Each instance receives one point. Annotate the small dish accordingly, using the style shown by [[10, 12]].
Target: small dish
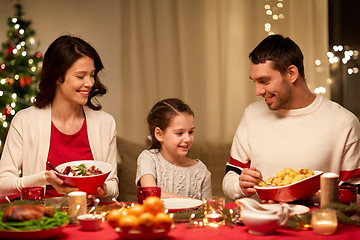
[[90, 222]]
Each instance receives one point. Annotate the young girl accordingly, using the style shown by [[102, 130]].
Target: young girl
[[171, 125]]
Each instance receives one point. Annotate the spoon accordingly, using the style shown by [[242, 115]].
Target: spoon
[[53, 168], [96, 203], [267, 184]]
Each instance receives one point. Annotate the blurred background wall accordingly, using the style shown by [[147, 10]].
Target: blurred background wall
[[196, 50]]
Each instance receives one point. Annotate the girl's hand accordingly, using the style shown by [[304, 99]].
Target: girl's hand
[[57, 183], [248, 179]]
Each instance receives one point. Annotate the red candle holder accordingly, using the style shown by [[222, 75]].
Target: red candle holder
[[347, 194], [32, 193], [144, 192]]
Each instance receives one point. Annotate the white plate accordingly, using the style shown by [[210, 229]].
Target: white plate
[[294, 208], [179, 204]]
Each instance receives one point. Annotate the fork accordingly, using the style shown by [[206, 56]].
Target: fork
[[267, 184]]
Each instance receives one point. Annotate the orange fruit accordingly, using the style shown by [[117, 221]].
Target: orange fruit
[[163, 221], [128, 222], [146, 222], [153, 205], [113, 217], [136, 210]]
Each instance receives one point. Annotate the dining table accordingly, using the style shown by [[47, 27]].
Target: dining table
[[185, 231], [182, 232]]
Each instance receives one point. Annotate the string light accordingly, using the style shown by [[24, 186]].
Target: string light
[[273, 10], [320, 90], [346, 57]]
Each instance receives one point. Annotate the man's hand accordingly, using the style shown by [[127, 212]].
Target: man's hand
[[58, 183], [248, 179]]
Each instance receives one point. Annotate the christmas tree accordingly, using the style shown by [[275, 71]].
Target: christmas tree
[[20, 66]]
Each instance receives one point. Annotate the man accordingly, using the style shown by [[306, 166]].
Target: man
[[292, 128]]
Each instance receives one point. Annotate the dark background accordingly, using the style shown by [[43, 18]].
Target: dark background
[[344, 29]]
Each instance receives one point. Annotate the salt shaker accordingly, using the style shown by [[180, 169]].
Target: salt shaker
[[329, 186]]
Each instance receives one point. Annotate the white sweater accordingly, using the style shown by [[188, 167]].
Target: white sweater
[[27, 148], [322, 136]]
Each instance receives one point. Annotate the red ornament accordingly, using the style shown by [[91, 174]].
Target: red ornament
[[7, 111], [9, 50], [23, 81], [28, 80]]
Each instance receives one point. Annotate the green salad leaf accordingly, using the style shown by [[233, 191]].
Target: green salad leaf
[[59, 219]]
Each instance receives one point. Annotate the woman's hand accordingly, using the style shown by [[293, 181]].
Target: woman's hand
[[58, 183], [248, 179], [100, 191]]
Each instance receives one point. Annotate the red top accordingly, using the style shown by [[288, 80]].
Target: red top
[[66, 148]]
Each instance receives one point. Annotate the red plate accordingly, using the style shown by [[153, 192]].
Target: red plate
[[34, 234]]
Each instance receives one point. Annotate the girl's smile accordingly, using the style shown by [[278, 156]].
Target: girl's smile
[[177, 138]]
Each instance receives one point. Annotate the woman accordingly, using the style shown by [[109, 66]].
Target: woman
[[64, 124]]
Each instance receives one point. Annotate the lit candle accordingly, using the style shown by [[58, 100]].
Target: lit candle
[[214, 219], [213, 214], [325, 227], [324, 221], [77, 204]]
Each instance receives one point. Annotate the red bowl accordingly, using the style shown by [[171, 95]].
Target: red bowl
[[298, 191], [86, 184]]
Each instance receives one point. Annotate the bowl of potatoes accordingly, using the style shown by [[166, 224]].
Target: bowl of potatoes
[[290, 185]]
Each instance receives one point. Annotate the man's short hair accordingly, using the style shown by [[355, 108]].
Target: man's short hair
[[282, 51]]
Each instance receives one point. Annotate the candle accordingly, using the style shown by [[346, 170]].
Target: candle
[[77, 205], [213, 214], [325, 227], [214, 217], [329, 186], [324, 221]]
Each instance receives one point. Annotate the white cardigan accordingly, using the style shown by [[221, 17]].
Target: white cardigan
[[27, 148]]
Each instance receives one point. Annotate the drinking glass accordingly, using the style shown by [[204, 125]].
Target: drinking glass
[[347, 194], [32, 193], [144, 192]]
